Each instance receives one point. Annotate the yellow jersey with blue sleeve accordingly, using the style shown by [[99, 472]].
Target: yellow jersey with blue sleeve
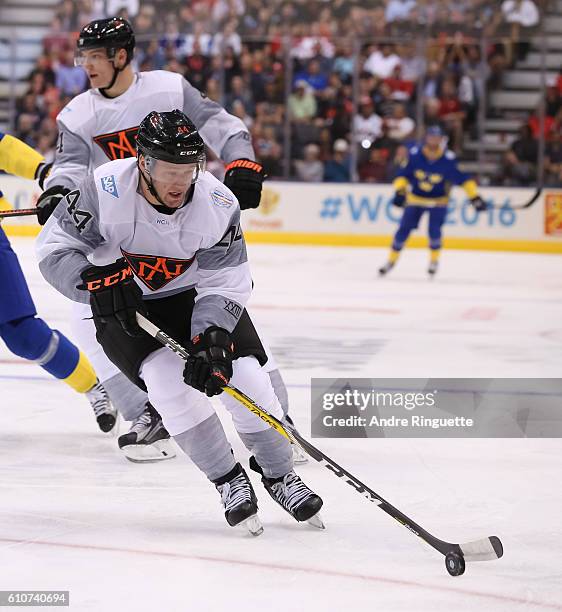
[[428, 179]]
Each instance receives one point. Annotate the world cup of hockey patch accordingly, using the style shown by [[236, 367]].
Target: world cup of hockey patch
[[222, 199], [156, 271], [109, 185], [120, 144]]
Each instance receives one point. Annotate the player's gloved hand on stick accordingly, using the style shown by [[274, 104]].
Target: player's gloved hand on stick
[[244, 178], [209, 369], [399, 199], [48, 201], [114, 295], [479, 204]]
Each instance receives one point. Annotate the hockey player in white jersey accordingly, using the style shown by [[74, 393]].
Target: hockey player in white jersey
[[101, 125], [161, 236]]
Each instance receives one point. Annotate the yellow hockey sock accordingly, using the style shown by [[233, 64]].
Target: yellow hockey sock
[[434, 255], [393, 256], [83, 378]]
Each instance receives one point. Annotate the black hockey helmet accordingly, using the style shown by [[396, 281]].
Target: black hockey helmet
[[170, 136], [111, 34]]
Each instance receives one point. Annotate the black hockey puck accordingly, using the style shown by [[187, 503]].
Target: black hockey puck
[[455, 564]]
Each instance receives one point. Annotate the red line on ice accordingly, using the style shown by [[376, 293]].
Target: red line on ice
[[291, 568], [480, 314]]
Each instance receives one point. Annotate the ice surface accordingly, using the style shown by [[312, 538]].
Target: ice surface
[[75, 515]]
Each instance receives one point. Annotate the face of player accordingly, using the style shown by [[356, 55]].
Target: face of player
[[433, 142], [171, 181], [97, 65]]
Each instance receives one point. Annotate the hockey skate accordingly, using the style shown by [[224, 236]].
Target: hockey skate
[[105, 413], [299, 456], [386, 268], [432, 269], [148, 439], [239, 500], [293, 496]]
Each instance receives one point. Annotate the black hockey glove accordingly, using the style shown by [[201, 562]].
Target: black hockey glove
[[479, 204], [114, 295], [48, 201], [210, 368], [42, 172], [399, 199], [244, 178]]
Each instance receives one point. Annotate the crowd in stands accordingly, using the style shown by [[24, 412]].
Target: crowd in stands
[[307, 81]]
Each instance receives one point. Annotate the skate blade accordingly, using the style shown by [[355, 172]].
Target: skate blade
[[299, 456], [253, 525], [161, 450], [316, 521]]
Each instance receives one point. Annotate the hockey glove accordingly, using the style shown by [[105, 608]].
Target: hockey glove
[[209, 369], [399, 199], [42, 172], [479, 204], [244, 178], [48, 201], [114, 295]]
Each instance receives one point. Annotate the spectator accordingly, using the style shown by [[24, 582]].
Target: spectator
[[553, 161], [70, 79], [367, 124], [313, 76], [302, 103], [399, 10], [400, 126], [344, 62], [338, 169], [375, 168], [451, 113], [520, 14], [520, 162], [268, 150], [381, 63], [400, 89], [310, 169], [432, 81], [239, 91]]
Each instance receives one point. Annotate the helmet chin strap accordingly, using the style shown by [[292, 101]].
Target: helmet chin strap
[[164, 209], [116, 71]]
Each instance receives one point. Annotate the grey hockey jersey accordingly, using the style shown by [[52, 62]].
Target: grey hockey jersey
[[200, 245], [94, 129]]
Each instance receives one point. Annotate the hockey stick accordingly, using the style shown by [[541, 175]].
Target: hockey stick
[[455, 554], [21, 212], [528, 204]]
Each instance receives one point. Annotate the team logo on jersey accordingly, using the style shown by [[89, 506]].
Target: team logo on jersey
[[156, 271], [222, 199], [120, 144], [109, 185]]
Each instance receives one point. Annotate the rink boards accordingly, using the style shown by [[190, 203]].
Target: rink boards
[[362, 215]]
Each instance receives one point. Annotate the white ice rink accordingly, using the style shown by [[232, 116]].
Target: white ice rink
[[75, 515]]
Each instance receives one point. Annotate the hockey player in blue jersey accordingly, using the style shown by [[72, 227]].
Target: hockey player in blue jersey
[[24, 333], [423, 185]]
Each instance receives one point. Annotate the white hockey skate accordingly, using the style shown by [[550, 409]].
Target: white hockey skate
[[105, 413], [148, 440], [432, 269]]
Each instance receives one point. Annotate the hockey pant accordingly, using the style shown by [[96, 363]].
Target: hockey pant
[[127, 398], [410, 221]]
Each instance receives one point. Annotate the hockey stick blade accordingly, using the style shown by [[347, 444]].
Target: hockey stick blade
[[479, 550], [21, 212]]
